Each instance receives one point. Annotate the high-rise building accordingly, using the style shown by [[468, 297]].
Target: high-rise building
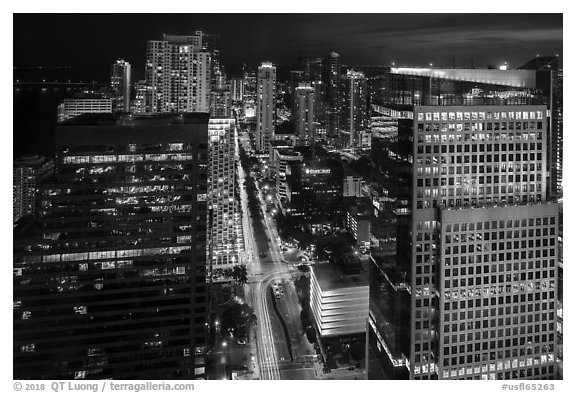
[[225, 235], [471, 292], [178, 74], [331, 77], [265, 106], [220, 103], [354, 111], [237, 87], [549, 78], [72, 107], [142, 92], [120, 85], [26, 171], [296, 77], [304, 113], [250, 93], [314, 188], [111, 280]]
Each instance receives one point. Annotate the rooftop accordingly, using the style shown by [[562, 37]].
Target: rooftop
[[119, 119], [525, 78], [541, 63], [337, 276]]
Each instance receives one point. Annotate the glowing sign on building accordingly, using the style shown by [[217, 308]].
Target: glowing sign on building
[[317, 171]]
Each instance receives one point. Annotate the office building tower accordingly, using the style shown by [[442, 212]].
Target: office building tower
[[549, 79], [331, 77], [354, 111], [303, 115], [111, 280], [265, 106], [120, 84], [471, 292], [26, 171], [225, 235], [178, 75], [314, 189], [72, 107]]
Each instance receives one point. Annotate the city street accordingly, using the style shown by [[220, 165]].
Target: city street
[[264, 267]]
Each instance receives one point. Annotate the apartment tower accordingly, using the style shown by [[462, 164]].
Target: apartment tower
[[265, 106], [178, 74]]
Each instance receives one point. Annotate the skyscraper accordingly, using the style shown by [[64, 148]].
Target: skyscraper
[[178, 75], [237, 89], [265, 106], [142, 93], [471, 292], [296, 77], [354, 111], [332, 73], [120, 85], [249, 92], [225, 236], [304, 113], [549, 78], [111, 281]]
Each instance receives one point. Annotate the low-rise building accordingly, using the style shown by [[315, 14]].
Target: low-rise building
[[339, 298]]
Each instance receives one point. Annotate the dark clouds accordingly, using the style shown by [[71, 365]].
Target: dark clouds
[[95, 40]]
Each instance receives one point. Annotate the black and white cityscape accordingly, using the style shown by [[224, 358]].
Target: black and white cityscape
[[287, 197]]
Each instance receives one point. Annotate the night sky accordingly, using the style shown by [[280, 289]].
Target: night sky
[[93, 41]]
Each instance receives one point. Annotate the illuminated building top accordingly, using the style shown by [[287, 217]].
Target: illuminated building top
[[514, 78]]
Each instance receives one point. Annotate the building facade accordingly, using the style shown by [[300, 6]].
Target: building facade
[[338, 299], [26, 171], [72, 107], [314, 190], [178, 74], [112, 283], [120, 85], [354, 111], [265, 106], [220, 103], [352, 186], [281, 157], [332, 79], [225, 234], [250, 82], [472, 290], [237, 89], [304, 106], [358, 223]]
